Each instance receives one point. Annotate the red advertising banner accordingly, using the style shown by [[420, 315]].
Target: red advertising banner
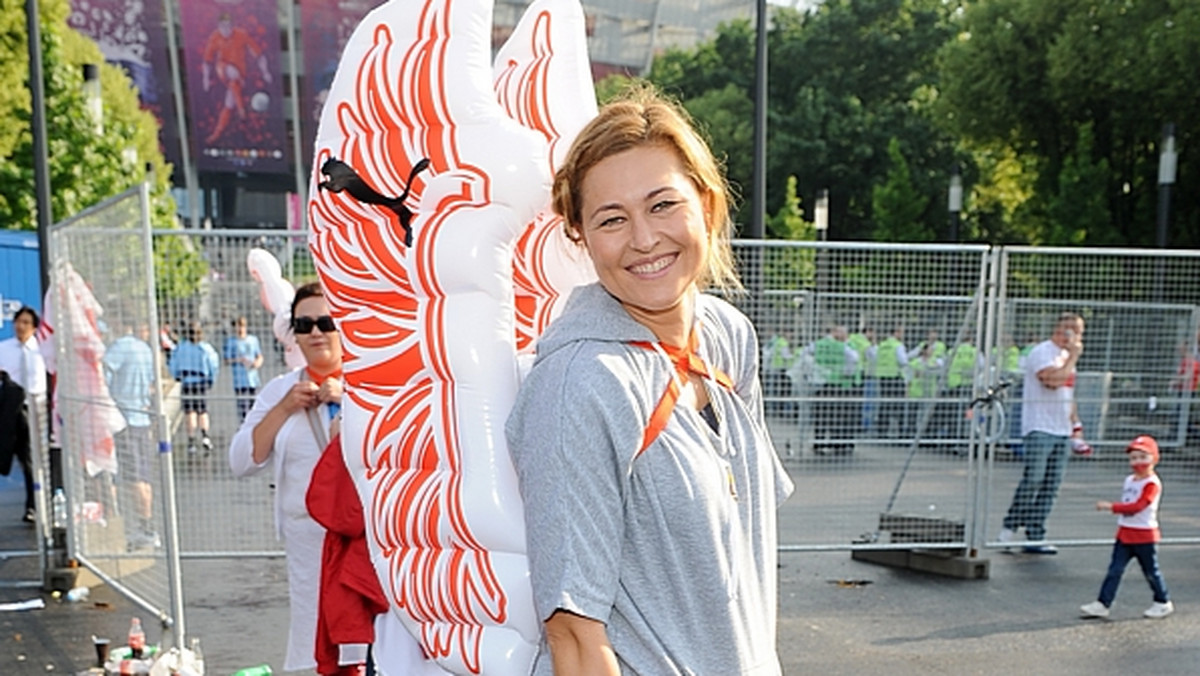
[[234, 85], [133, 35], [327, 25]]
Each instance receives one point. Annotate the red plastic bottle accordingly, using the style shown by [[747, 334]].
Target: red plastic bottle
[[137, 638]]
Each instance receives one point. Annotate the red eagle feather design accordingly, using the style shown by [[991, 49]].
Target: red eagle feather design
[[431, 332]]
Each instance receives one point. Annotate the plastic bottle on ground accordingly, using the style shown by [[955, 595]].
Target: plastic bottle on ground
[[137, 638]]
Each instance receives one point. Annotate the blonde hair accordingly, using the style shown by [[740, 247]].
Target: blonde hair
[[643, 117]]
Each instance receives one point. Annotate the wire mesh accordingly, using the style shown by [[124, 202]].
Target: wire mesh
[[871, 357], [222, 515], [858, 341], [106, 419], [1137, 375]]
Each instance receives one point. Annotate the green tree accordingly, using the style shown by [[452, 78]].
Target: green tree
[[726, 117], [1080, 205], [898, 205], [844, 78], [608, 88], [790, 268], [85, 167], [1028, 74]]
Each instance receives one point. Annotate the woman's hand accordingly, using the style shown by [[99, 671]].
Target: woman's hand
[[303, 395], [1104, 506], [330, 392]]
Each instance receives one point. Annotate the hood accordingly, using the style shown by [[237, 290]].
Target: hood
[[591, 313]]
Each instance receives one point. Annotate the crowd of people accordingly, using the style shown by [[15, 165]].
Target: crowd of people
[[862, 386]]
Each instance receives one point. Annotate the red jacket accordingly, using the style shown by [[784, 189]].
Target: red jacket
[[350, 596]]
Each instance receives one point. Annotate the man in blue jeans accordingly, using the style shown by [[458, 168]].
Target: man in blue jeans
[[1048, 417]]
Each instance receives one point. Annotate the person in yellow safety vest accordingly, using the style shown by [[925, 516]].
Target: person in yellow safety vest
[[922, 388], [931, 338], [963, 364], [1010, 357], [834, 366], [891, 368], [777, 358], [965, 361], [925, 369], [865, 388]]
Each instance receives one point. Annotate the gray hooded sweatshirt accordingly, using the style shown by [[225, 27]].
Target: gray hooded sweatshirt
[[673, 549]]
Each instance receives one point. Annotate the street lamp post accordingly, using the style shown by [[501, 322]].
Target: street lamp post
[[91, 96], [757, 229], [955, 200], [1166, 178], [41, 170], [821, 214]]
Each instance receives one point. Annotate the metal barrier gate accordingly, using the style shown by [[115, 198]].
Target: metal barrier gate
[[1137, 375], [888, 458], [109, 414], [882, 458]]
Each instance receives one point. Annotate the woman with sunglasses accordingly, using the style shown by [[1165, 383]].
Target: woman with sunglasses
[[649, 480], [290, 424]]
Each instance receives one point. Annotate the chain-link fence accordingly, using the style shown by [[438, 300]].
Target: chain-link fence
[[108, 405], [871, 357]]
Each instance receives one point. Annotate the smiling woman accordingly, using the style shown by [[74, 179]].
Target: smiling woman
[[650, 483]]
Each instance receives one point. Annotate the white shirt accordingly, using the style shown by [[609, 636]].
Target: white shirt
[[1046, 409], [294, 454], [24, 364]]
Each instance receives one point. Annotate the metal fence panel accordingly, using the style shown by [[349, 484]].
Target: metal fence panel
[[858, 342], [108, 415], [1135, 376], [221, 515], [879, 461]]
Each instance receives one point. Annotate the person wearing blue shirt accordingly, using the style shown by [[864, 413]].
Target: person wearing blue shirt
[[195, 365], [129, 370], [244, 354]]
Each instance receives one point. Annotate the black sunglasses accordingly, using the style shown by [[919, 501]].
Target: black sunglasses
[[304, 325]]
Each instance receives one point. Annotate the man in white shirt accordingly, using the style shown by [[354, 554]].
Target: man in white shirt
[[1048, 416], [21, 359]]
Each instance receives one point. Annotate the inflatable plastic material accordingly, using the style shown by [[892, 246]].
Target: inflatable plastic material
[[94, 416], [439, 276], [276, 294]]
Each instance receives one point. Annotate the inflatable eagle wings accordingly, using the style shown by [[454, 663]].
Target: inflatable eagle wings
[[441, 261]]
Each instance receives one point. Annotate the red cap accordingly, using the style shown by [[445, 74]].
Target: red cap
[[1144, 442]]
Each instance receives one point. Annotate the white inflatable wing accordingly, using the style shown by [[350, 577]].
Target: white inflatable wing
[[418, 263], [543, 80], [276, 294]]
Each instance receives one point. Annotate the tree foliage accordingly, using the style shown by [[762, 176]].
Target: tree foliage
[[85, 167], [791, 268], [1031, 75], [1054, 110], [843, 80], [898, 204]]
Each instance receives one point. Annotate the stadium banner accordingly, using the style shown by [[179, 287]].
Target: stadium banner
[[133, 35], [327, 24], [234, 85]]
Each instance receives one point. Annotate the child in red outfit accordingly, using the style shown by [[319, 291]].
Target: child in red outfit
[[1137, 532]]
